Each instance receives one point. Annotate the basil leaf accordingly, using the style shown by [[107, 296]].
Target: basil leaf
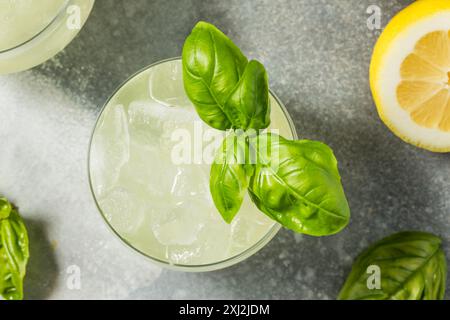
[[226, 90], [5, 208], [412, 267], [251, 98], [228, 180], [297, 183], [14, 256]]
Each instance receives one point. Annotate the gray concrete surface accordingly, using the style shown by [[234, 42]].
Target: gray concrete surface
[[317, 53]]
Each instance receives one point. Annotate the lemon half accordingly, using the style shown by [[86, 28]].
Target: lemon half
[[410, 75]]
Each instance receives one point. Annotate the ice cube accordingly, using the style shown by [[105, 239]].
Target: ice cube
[[122, 209], [181, 224], [152, 124], [110, 148], [166, 85], [212, 241], [215, 238], [149, 173], [248, 227], [212, 244], [190, 181], [145, 125]]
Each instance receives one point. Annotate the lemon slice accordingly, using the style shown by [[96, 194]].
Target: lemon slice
[[410, 75]]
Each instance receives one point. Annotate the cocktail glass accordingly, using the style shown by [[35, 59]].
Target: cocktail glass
[[155, 204], [33, 31]]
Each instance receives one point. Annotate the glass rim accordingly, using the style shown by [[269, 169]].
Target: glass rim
[[222, 264], [56, 19]]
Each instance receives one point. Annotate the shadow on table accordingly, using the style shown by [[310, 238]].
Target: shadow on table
[[42, 269]]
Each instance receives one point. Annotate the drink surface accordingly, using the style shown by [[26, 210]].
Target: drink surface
[[156, 201], [21, 20]]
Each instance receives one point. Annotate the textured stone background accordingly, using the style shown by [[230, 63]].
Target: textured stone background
[[317, 53]]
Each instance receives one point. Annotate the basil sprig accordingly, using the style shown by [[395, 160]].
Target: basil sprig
[[14, 252], [297, 183], [411, 266]]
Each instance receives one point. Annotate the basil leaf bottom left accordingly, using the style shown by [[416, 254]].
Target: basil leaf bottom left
[[14, 252]]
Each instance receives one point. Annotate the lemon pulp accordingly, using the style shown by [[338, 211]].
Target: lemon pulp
[[424, 90]]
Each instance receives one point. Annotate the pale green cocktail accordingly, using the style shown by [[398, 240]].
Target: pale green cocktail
[[156, 201], [32, 31]]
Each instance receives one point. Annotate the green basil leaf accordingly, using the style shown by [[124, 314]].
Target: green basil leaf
[[227, 91], [228, 180], [297, 183], [251, 98], [412, 266], [5, 208], [14, 256]]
